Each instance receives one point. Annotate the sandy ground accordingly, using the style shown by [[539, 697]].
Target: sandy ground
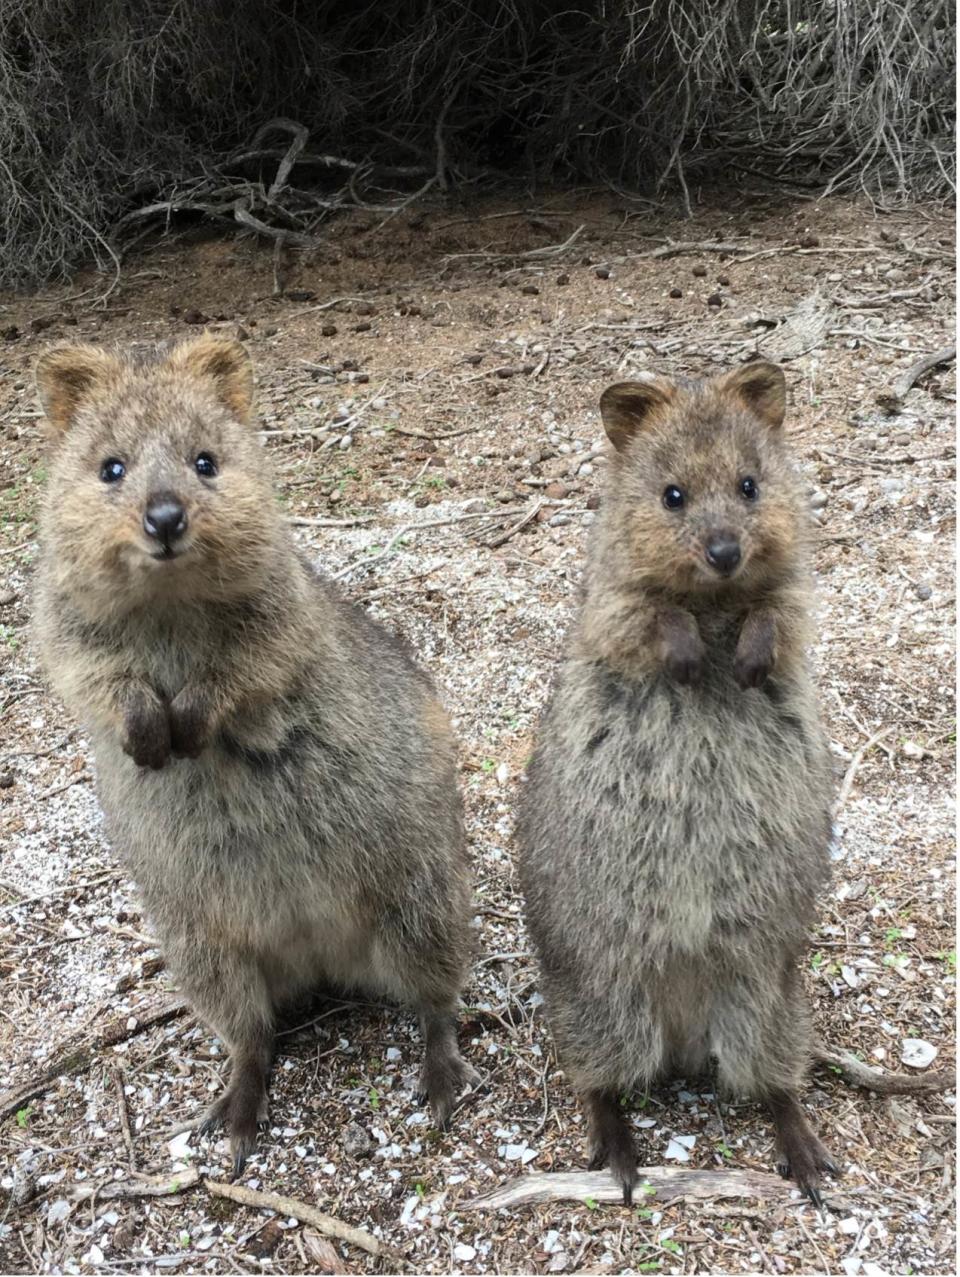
[[460, 377]]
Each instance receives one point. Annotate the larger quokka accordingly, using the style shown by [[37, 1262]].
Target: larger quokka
[[675, 826], [275, 771]]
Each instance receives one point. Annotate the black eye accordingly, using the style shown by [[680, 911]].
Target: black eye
[[749, 489], [112, 470], [205, 466], [673, 497]]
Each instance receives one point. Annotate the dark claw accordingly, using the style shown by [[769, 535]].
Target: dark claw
[[815, 1197], [831, 1169], [628, 1194], [239, 1162], [783, 1169]]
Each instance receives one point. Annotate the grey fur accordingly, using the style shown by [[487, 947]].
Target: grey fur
[[316, 838], [674, 838]]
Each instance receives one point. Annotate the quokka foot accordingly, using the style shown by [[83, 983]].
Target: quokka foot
[[611, 1143], [445, 1072], [241, 1110], [800, 1154]]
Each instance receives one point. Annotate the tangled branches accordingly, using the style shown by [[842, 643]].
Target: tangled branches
[[116, 112]]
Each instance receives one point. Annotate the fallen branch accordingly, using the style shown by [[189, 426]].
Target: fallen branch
[[139, 1186], [913, 374], [854, 766], [661, 1183], [857, 1073], [503, 537], [326, 1224], [78, 1056]]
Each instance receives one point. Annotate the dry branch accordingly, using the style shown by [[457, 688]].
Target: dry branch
[[326, 1224], [857, 1073], [79, 1053], [668, 1184]]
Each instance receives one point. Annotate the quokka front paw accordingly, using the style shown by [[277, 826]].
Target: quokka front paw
[[190, 726], [146, 731], [755, 656], [684, 663]]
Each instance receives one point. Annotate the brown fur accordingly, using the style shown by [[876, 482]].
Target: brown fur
[[274, 769], [675, 823]]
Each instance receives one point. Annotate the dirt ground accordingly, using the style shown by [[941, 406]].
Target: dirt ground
[[428, 393]]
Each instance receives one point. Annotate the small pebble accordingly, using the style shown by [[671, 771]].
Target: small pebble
[[699, 271], [923, 591], [345, 443], [676, 292], [563, 279], [602, 272], [714, 300]]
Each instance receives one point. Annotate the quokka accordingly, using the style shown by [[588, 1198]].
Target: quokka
[[275, 771], [675, 824]]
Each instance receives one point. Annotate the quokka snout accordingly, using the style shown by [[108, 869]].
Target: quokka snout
[[675, 821], [274, 769]]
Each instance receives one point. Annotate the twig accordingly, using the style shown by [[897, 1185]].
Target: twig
[[854, 766], [77, 1057], [857, 1073], [512, 531], [82, 779], [124, 1118], [408, 528], [139, 1186], [326, 1224], [60, 891], [669, 1184], [299, 522], [905, 383]]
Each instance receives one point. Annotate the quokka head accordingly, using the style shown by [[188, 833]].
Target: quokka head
[[703, 497], [157, 483]]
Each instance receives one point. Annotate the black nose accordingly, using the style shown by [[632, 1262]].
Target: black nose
[[165, 519], [723, 553]]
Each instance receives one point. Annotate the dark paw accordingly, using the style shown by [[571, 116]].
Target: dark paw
[[621, 1159], [241, 1111], [752, 670], [189, 725], [685, 664], [441, 1081], [805, 1162], [147, 732]]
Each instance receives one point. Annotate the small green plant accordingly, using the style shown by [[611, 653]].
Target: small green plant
[[949, 958], [419, 1189], [891, 934], [816, 962], [591, 1203], [649, 1266], [724, 1149], [23, 1116], [644, 1212], [673, 1247], [184, 1239], [374, 1097], [488, 765]]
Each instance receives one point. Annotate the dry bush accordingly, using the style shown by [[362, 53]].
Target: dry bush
[[112, 107]]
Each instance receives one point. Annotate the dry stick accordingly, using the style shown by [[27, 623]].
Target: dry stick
[[124, 1118], [857, 1073], [669, 1184], [913, 374], [512, 531], [140, 1186], [422, 434], [325, 1224], [851, 772], [60, 891], [77, 1057], [398, 536], [299, 522]]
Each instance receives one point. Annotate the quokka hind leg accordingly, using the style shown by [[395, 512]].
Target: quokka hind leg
[[760, 1033], [611, 1143], [229, 992], [445, 1072], [800, 1155]]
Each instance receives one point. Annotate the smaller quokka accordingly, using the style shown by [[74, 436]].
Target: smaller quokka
[[275, 771], [675, 822]]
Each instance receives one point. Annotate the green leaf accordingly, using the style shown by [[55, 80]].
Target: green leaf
[[590, 1202], [23, 1116]]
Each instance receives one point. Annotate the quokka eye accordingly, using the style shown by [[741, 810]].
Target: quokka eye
[[112, 470], [673, 497], [749, 489], [205, 466]]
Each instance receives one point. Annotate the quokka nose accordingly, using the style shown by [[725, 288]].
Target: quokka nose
[[164, 519], [723, 553]]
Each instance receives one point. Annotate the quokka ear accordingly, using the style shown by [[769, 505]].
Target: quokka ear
[[630, 406], [222, 362], [760, 386], [68, 375]]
